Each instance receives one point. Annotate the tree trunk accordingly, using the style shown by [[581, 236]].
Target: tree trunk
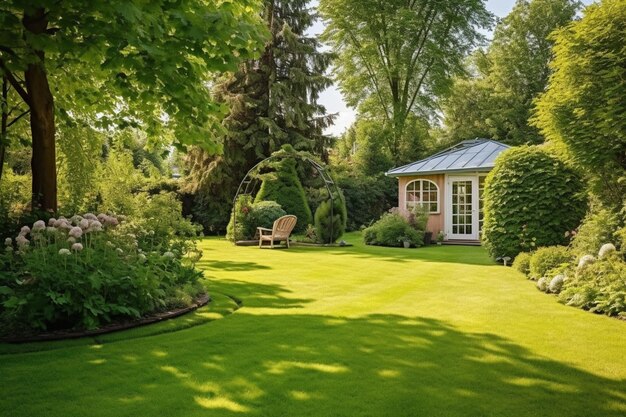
[[5, 119], [43, 162]]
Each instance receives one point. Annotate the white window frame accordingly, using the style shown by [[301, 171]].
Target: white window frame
[[421, 195]]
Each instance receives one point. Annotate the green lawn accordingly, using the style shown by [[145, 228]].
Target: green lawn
[[356, 331]]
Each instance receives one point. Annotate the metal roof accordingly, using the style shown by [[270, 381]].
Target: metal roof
[[469, 155]]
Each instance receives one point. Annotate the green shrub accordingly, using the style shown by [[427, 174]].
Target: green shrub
[[599, 287], [531, 199], [597, 228], [324, 223], [88, 271], [391, 230], [284, 187], [522, 262], [264, 214], [547, 259], [367, 198]]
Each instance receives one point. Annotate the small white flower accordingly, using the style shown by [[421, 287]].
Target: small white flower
[[90, 216], [83, 224], [119, 250], [111, 244], [71, 239], [51, 221], [76, 232], [102, 217], [77, 247], [586, 260], [22, 241], [25, 230], [169, 255], [94, 226], [606, 249], [51, 229], [111, 221], [8, 241], [64, 251], [39, 225], [142, 258]]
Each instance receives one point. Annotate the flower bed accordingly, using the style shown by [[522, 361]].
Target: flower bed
[[89, 271]]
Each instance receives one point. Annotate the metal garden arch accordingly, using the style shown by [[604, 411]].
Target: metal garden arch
[[249, 183]]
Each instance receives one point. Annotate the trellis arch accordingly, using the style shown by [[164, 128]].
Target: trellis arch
[[249, 183]]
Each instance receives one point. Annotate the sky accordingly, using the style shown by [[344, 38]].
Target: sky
[[331, 97]]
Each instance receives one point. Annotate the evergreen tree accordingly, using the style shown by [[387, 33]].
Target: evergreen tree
[[273, 101]]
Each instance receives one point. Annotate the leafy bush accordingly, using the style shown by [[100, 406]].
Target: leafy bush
[[556, 284], [264, 214], [597, 228], [531, 199], [324, 223], [367, 198], [599, 287], [87, 271], [284, 187], [392, 230], [252, 215], [548, 259], [522, 262]]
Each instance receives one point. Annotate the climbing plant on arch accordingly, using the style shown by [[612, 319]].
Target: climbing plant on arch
[[271, 179]]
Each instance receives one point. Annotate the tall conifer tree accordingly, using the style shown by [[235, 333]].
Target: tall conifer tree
[[273, 101]]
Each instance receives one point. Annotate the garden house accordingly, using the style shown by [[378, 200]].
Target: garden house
[[450, 184]]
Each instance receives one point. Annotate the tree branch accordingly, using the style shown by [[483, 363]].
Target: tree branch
[[24, 113], [15, 84]]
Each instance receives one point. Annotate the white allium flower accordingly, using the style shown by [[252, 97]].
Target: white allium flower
[[51, 221], [119, 250], [169, 255], [39, 225], [142, 258], [21, 240], [586, 260], [9, 249], [77, 247], [75, 219], [94, 226], [111, 221], [64, 252], [556, 284], [25, 230], [8, 241], [83, 224], [111, 244], [90, 216], [51, 229], [62, 224], [76, 232], [102, 217], [71, 239], [606, 250]]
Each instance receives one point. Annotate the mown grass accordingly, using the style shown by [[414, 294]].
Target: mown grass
[[358, 331]]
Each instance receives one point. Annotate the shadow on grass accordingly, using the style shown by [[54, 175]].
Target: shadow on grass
[[256, 295], [311, 365], [211, 264]]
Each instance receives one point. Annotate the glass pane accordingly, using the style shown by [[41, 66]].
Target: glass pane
[[468, 229], [433, 208], [455, 229]]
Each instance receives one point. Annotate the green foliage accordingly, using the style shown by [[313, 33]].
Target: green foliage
[[531, 199], [284, 187], [367, 198], [545, 260], [522, 262], [599, 287], [86, 271], [584, 109], [273, 100], [252, 215], [496, 102], [392, 230], [394, 56], [324, 222], [597, 228], [14, 202]]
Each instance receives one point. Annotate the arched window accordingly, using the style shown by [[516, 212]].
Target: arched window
[[423, 192]]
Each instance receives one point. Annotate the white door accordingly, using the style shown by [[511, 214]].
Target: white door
[[462, 208]]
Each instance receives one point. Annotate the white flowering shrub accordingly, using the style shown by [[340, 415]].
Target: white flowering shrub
[[88, 270], [606, 250], [556, 284], [542, 284]]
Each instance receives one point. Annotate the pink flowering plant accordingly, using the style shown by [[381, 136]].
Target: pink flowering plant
[[89, 270]]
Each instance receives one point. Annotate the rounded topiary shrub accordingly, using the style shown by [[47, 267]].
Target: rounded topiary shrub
[[250, 216], [522, 262], [531, 199], [547, 259], [283, 186], [264, 214], [329, 229]]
